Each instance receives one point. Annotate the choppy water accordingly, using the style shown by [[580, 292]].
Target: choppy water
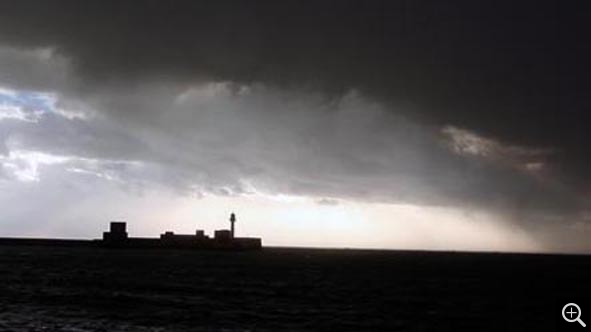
[[84, 289]]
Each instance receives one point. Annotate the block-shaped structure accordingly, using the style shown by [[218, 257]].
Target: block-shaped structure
[[223, 235], [117, 232]]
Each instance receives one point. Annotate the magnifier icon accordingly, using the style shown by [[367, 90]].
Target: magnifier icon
[[573, 314]]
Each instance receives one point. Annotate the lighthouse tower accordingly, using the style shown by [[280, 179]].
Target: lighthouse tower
[[232, 221]]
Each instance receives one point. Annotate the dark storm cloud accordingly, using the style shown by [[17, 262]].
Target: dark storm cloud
[[511, 71]]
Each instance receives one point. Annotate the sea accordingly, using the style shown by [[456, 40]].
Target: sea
[[285, 289]]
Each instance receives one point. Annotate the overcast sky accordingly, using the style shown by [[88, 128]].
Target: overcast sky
[[383, 124]]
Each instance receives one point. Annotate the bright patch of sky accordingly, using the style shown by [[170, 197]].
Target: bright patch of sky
[[25, 105]]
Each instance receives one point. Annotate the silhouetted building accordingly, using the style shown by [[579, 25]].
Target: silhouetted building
[[117, 232], [179, 240], [223, 235], [223, 239]]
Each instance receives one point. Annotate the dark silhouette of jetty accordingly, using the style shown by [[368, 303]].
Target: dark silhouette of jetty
[[117, 237]]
